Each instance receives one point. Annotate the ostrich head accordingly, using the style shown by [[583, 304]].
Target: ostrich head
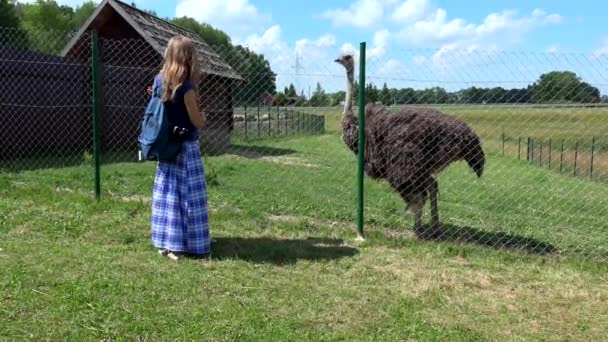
[[348, 62]]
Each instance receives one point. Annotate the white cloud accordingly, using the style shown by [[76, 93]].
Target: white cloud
[[380, 44], [361, 13], [315, 54], [437, 28], [303, 63], [553, 48], [269, 39], [411, 10], [547, 19], [505, 27], [393, 68], [419, 60], [348, 48], [602, 51], [235, 17]]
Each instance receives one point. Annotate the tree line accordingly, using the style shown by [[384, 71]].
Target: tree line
[[46, 26], [38, 25], [556, 87]]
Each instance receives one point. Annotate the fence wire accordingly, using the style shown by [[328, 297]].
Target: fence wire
[[45, 102], [280, 140], [541, 124]]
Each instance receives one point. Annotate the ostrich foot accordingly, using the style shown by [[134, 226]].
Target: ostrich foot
[[419, 229]]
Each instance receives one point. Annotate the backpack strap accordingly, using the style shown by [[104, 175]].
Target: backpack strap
[[157, 86]]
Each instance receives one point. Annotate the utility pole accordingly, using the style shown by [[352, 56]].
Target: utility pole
[[297, 67]]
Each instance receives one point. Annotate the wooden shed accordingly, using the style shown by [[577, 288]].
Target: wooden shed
[[132, 45], [44, 108]]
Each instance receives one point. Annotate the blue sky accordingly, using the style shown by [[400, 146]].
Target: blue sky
[[417, 43]]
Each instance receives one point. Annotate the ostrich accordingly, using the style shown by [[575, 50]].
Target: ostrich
[[408, 148]]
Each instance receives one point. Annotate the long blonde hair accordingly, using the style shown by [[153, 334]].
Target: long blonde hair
[[181, 64]]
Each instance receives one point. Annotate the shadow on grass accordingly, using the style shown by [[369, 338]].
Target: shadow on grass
[[497, 240], [115, 157], [46, 162], [280, 251], [253, 152]]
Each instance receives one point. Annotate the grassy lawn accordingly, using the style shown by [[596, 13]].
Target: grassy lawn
[[285, 265]]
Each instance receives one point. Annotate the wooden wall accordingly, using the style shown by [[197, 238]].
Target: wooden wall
[[46, 101], [45, 105]]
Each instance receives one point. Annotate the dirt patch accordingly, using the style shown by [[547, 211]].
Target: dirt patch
[[404, 232], [282, 160], [62, 189], [295, 161], [133, 198], [224, 207]]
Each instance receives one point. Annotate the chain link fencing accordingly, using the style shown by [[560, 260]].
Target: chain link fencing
[[276, 144], [45, 102], [541, 122]]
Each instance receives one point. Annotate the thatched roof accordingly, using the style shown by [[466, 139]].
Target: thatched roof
[[155, 32]]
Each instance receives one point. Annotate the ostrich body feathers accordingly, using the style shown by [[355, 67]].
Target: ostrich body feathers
[[409, 146]]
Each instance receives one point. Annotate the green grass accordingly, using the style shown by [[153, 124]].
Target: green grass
[[286, 267]]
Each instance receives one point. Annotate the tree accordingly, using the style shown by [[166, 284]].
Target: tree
[[47, 25], [563, 86], [82, 13], [8, 15], [319, 98], [372, 95], [214, 37], [260, 80], [385, 95], [336, 98], [11, 35], [254, 68], [279, 99]]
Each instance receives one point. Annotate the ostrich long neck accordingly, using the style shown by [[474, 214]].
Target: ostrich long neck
[[349, 120], [348, 102]]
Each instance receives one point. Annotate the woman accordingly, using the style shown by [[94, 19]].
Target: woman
[[180, 221]]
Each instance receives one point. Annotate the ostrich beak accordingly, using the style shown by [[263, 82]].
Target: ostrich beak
[[337, 60]]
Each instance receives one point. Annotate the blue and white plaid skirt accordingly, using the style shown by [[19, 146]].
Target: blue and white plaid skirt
[[180, 220]]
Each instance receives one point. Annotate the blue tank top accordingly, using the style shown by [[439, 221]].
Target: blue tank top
[[178, 111]]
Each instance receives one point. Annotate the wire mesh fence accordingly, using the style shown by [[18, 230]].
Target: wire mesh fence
[[540, 119], [45, 102], [281, 144]]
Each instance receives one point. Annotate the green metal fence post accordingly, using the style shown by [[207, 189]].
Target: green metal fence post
[[592, 159], [246, 122], [550, 152], [519, 148], [96, 94], [561, 158], [575, 156], [361, 142], [258, 122]]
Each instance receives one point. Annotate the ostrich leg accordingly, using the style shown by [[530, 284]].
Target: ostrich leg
[[434, 192], [417, 206]]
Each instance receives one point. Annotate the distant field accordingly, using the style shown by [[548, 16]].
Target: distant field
[[554, 126], [491, 121]]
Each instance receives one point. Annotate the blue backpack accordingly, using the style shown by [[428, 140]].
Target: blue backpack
[[156, 141]]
